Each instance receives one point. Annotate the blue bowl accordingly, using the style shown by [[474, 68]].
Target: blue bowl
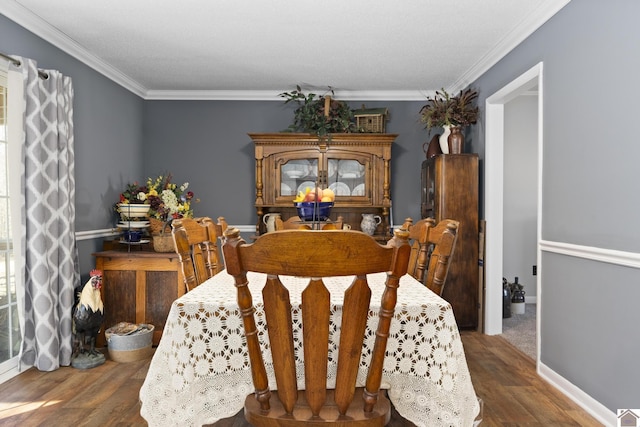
[[132, 236], [311, 211]]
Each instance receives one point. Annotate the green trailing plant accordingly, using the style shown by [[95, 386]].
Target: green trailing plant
[[310, 115], [445, 110]]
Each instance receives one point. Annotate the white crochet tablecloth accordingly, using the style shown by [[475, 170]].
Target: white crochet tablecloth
[[200, 373]]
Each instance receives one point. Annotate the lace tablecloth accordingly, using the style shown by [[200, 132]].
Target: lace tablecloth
[[200, 373]]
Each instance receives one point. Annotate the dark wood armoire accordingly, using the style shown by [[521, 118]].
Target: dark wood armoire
[[450, 190]]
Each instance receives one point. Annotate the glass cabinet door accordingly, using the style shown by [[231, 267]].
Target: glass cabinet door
[[349, 177], [428, 189], [294, 175]]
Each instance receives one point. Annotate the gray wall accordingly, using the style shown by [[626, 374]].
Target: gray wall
[[589, 327], [206, 144], [589, 332]]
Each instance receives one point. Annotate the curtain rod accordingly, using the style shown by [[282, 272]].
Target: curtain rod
[[17, 63]]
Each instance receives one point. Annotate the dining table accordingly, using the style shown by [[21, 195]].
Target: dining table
[[200, 369]]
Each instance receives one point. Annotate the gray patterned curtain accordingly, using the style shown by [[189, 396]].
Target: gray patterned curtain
[[49, 246]]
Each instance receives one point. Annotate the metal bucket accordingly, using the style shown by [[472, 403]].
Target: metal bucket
[[129, 342]]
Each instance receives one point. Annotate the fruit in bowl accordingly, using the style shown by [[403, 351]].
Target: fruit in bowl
[[314, 211], [315, 195], [314, 204]]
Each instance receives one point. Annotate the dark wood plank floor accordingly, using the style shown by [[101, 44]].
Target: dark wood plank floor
[[503, 376]]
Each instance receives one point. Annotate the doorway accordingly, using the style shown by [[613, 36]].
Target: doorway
[[520, 210], [494, 193]]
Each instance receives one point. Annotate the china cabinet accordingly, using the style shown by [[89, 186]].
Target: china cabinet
[[450, 190], [356, 166]]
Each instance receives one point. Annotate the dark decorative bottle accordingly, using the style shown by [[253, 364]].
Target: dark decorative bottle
[[506, 299], [518, 293]]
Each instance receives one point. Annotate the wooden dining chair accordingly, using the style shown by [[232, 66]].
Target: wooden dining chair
[[317, 255], [432, 246], [295, 223], [196, 243]]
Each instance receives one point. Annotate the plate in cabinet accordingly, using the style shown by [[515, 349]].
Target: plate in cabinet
[[285, 190], [303, 187], [358, 191], [350, 169], [296, 168], [340, 189]]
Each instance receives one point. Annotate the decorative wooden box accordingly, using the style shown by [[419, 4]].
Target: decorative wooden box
[[371, 120]]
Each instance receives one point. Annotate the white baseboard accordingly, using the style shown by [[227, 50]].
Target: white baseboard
[[588, 403]]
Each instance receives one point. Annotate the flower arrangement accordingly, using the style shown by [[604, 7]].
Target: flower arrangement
[[445, 110], [134, 193], [166, 200], [169, 200]]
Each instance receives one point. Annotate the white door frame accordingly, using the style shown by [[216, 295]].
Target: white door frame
[[494, 193]]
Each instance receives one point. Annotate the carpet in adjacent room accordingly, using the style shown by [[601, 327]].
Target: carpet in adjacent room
[[520, 330]]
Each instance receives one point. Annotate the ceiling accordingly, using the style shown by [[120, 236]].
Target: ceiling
[[251, 49]]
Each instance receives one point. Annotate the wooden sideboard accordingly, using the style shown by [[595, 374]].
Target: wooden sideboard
[[138, 287]]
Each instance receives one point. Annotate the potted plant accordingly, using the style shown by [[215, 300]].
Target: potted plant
[[319, 114], [450, 113]]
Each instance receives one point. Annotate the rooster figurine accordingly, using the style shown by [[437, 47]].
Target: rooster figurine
[[88, 315]]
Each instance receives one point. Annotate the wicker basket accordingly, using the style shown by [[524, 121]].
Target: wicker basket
[[161, 235], [156, 226], [163, 242]]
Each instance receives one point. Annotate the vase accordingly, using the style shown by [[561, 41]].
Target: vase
[[456, 140], [270, 220], [370, 223], [444, 139], [433, 147]]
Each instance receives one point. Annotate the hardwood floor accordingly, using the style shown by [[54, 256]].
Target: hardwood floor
[[502, 375]]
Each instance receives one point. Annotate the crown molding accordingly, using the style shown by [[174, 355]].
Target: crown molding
[[273, 95], [44, 30], [524, 29]]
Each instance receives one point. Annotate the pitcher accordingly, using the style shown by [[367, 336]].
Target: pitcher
[[270, 221], [369, 223]]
